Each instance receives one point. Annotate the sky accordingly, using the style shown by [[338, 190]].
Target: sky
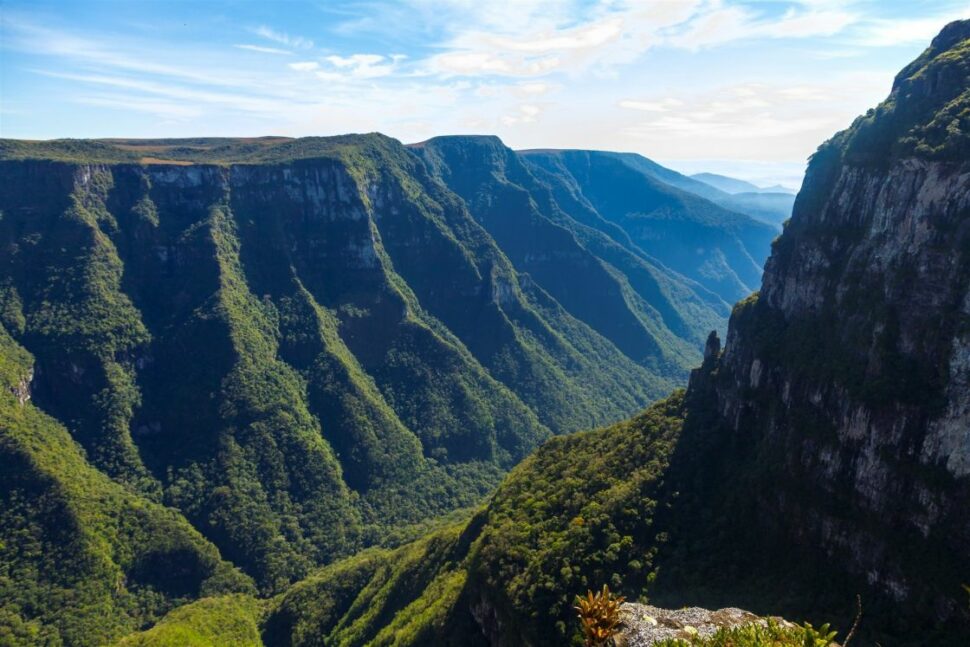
[[746, 88]]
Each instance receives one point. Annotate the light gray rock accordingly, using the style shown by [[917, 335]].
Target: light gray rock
[[645, 625]]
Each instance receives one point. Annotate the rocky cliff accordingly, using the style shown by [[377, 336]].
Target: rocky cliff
[[822, 454], [306, 346], [842, 391]]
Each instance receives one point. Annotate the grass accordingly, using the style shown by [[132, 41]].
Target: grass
[[229, 621], [768, 634]]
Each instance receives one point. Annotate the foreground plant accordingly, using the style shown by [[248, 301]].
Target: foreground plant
[[599, 616], [769, 634]]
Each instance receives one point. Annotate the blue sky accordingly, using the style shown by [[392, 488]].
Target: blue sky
[[749, 88]]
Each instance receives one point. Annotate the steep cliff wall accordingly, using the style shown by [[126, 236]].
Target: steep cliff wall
[[843, 385], [306, 350], [821, 455]]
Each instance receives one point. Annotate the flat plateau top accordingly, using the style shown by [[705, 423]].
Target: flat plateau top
[[182, 152]]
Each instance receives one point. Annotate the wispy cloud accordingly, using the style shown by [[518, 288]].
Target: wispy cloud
[[520, 40], [664, 105], [747, 116], [889, 32], [721, 23], [360, 66], [526, 114], [528, 42], [236, 101], [264, 50], [111, 54], [160, 108], [296, 42], [649, 75]]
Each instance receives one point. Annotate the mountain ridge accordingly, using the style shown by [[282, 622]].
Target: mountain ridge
[[259, 335], [222, 381], [735, 185], [820, 453]]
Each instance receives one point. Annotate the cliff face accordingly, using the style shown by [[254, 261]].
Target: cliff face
[[582, 260], [82, 558], [847, 377], [309, 346], [820, 455], [312, 344]]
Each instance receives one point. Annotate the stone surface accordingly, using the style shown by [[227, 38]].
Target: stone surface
[[645, 625], [850, 372]]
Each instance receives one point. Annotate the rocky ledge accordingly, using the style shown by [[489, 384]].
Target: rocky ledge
[[644, 625]]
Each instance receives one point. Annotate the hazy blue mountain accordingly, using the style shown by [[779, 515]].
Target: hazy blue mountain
[[734, 185], [722, 250], [772, 208]]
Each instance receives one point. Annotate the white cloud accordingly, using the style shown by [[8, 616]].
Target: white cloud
[[750, 117], [533, 88], [356, 60], [160, 108], [518, 40], [663, 105], [115, 55], [891, 32], [471, 63], [527, 43], [264, 50], [527, 114], [234, 101], [360, 66], [304, 66], [583, 37], [569, 73], [726, 23], [296, 42]]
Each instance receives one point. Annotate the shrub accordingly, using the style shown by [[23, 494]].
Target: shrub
[[599, 616]]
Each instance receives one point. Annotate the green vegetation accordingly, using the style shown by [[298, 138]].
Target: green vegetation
[[315, 351], [928, 113], [771, 440], [769, 634], [377, 597], [577, 514], [229, 621], [580, 513], [292, 371], [275, 500], [80, 321], [83, 559], [572, 257]]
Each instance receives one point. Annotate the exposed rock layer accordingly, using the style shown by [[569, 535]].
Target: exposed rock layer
[[843, 385]]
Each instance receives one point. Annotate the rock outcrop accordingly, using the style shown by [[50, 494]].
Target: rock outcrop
[[645, 625]]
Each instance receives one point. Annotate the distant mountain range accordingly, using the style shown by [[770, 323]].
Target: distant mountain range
[[764, 205], [733, 185], [310, 346]]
